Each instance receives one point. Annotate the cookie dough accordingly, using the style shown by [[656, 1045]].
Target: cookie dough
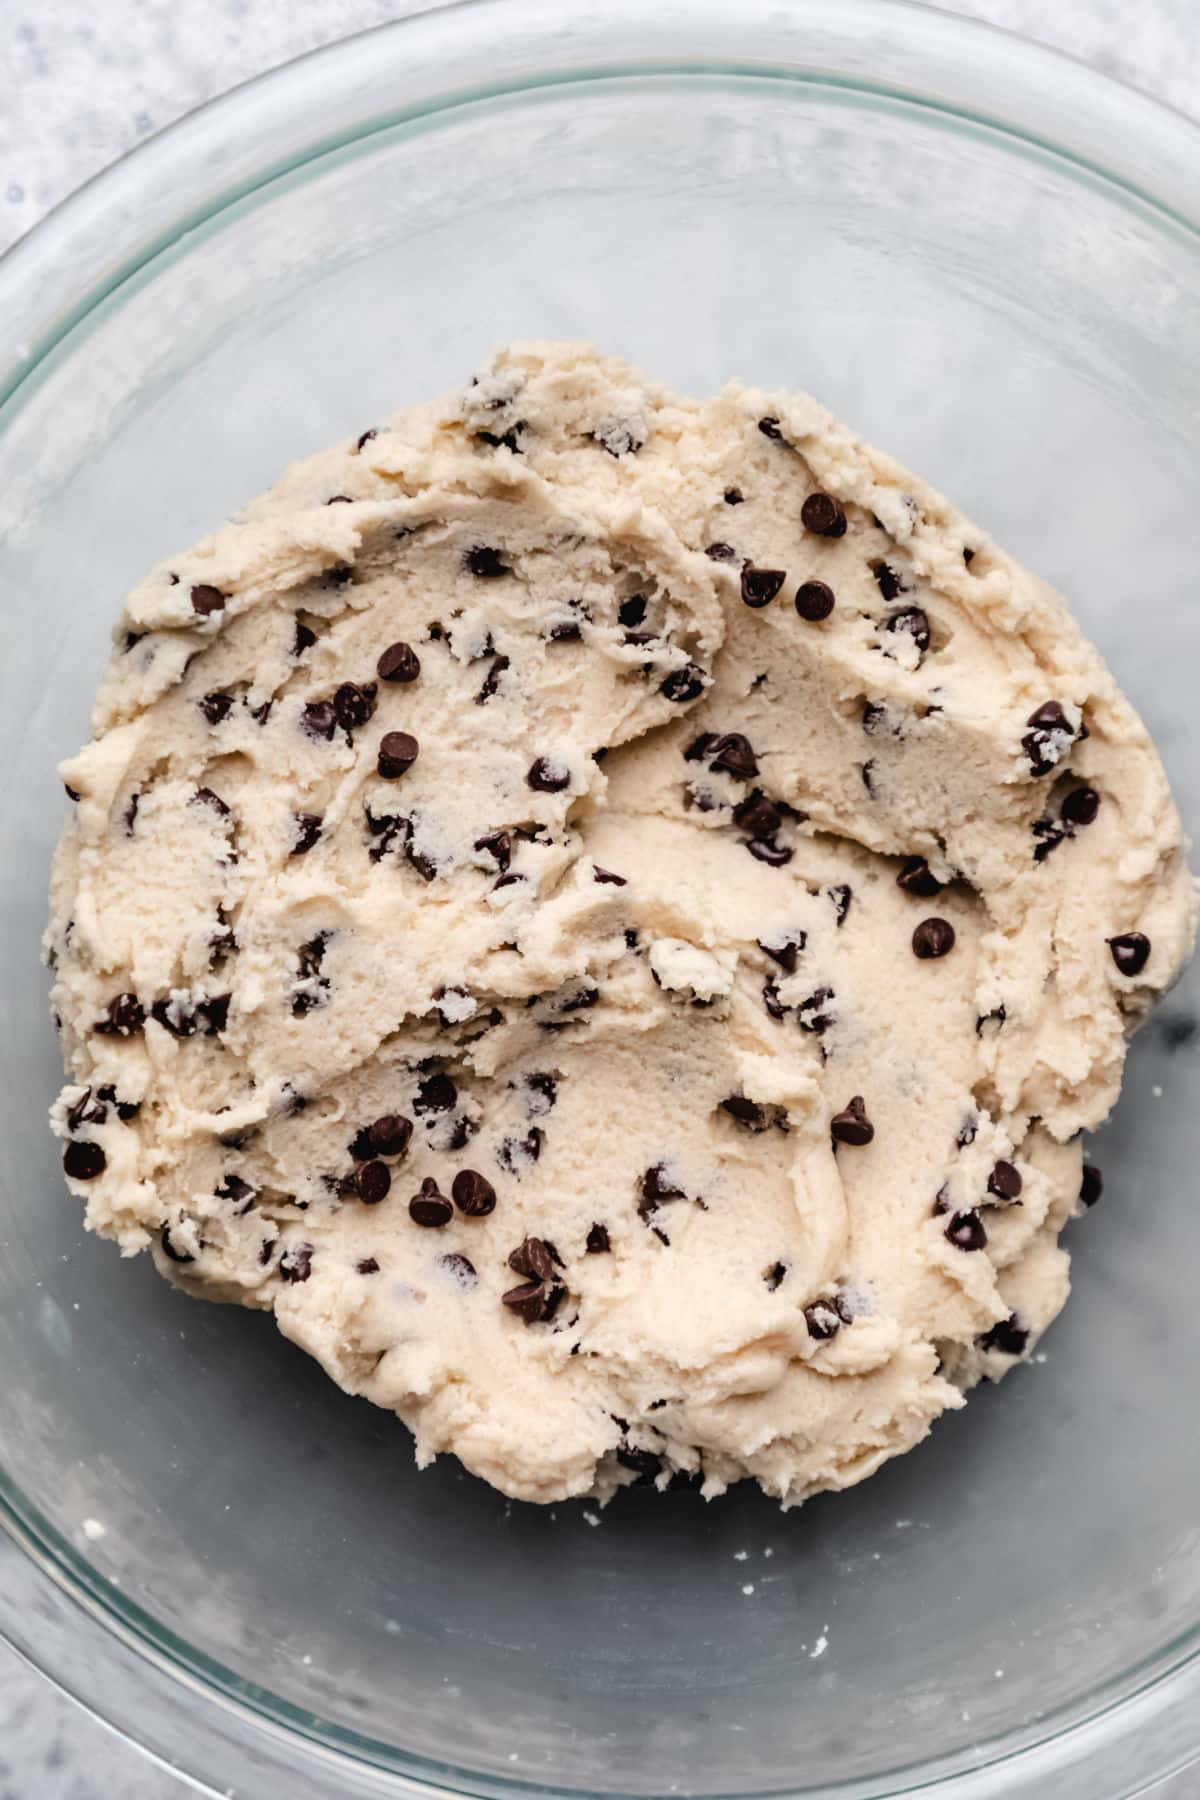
[[608, 914]]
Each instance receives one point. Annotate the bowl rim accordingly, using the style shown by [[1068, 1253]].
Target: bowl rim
[[446, 56]]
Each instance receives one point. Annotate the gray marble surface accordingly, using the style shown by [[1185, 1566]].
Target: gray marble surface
[[79, 85]]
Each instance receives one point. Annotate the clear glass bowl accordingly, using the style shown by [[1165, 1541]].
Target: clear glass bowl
[[985, 257]]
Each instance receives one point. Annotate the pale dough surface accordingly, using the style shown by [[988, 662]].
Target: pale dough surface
[[312, 939]]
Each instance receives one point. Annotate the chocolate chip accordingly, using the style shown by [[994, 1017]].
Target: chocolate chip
[[1130, 951], [491, 680], [304, 639], [528, 1301], [126, 1109], [766, 850], [842, 895], [770, 428], [785, 949], [133, 638], [430, 1208], [1007, 1335], [822, 515], [814, 601], [319, 719], [340, 500], [1005, 1182], [214, 1012], [390, 1134], [638, 639], [874, 717], [485, 562], [548, 776], [567, 631], [399, 662], [71, 792], [578, 1000], [700, 747], [437, 1093], [657, 1186], [745, 1111], [207, 600], [367, 1266], [733, 755], [968, 556], [296, 1263], [775, 1276], [606, 877], [308, 830], [966, 1231], [867, 774], [169, 1250], [734, 496], [262, 713], [1080, 806], [123, 1016], [473, 1193], [216, 707], [460, 1267], [175, 1013], [933, 938], [758, 816], [771, 1000], [204, 796], [1050, 733], [760, 586], [1091, 1185], [83, 1161], [89, 1109], [823, 1319], [535, 1259], [917, 878], [235, 1189], [398, 751], [721, 552], [598, 1240], [683, 684], [852, 1126], [915, 623], [515, 1153], [353, 705], [816, 1013], [995, 1018], [631, 612], [499, 846], [888, 580], [364, 440]]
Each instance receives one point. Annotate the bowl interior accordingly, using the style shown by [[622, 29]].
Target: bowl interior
[[1023, 333]]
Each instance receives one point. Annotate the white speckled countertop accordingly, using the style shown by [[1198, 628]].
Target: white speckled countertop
[[81, 84]]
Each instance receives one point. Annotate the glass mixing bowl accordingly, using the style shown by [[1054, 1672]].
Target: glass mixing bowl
[[987, 259]]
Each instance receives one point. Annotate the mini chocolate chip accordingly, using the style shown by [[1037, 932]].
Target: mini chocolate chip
[[760, 586], [966, 1231], [598, 1240], [461, 1267], [815, 1014], [1091, 1186], [204, 796], [515, 1152], [548, 776], [123, 1016], [578, 1001], [638, 639], [733, 755], [967, 1131], [888, 580], [437, 1093], [745, 1111], [867, 774], [941, 1200], [915, 622], [473, 1193], [1006, 1335], [133, 638], [823, 1319], [874, 717], [842, 896], [389, 1135], [216, 707], [361, 442], [757, 816], [337, 576], [308, 830], [177, 1016], [296, 1263], [721, 552], [770, 428], [968, 555], [683, 684], [215, 1013], [766, 850], [631, 612], [398, 751], [917, 878], [72, 794], [169, 1250], [771, 1000], [485, 562], [262, 713], [1045, 742], [814, 601], [532, 1258], [340, 500], [398, 663], [499, 846], [734, 496], [1005, 1182], [304, 639], [822, 515], [1080, 806], [491, 680], [353, 705], [657, 1185], [430, 1208], [207, 600], [1049, 717], [700, 747], [786, 949], [775, 1276], [852, 1126], [266, 1250], [234, 1188], [1130, 951], [83, 1161], [319, 719], [89, 1109], [367, 1266], [933, 938]]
